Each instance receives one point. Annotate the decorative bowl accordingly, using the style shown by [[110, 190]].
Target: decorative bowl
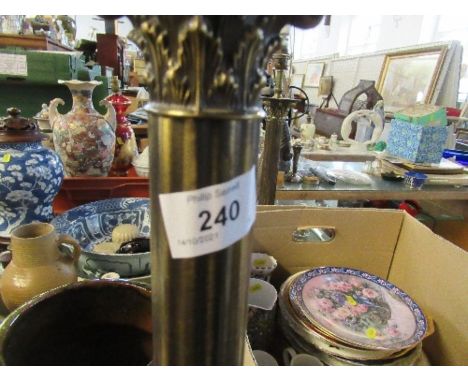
[[87, 323], [93, 223]]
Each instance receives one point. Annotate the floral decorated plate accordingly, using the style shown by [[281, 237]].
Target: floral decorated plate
[[358, 308], [310, 338]]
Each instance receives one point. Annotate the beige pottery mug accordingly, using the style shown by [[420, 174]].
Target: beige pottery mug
[[37, 263]]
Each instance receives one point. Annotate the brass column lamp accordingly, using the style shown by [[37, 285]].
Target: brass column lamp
[[276, 108], [205, 80]]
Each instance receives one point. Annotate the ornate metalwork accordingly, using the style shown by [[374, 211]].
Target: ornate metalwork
[[196, 65], [205, 76], [277, 108]]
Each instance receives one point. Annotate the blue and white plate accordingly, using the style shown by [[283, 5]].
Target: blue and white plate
[[358, 308], [93, 223]]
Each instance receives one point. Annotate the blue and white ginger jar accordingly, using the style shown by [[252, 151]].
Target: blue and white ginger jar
[[30, 174]]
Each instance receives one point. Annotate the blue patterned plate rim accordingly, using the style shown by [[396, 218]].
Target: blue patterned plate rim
[[85, 210], [296, 300], [64, 218]]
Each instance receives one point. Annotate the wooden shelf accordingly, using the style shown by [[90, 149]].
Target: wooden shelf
[[32, 42]]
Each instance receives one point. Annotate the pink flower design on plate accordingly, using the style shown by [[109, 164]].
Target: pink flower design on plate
[[393, 332], [355, 283], [341, 313], [358, 310], [332, 285], [344, 286], [325, 304], [369, 293]]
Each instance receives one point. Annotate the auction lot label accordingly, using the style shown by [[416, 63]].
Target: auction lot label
[[209, 219]]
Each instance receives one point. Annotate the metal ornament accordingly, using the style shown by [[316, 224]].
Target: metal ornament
[[205, 79]]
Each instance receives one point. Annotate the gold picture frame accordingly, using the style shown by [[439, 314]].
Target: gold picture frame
[[408, 77]]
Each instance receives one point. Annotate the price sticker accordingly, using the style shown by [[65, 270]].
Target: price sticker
[[6, 158], [211, 218]]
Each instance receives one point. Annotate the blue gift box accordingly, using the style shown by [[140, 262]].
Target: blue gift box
[[416, 143]]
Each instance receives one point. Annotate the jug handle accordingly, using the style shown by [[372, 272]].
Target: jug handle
[[110, 116], [53, 112], [65, 239]]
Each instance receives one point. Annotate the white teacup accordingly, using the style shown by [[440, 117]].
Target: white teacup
[[291, 358]]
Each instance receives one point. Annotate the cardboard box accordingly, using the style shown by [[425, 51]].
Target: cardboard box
[[390, 244], [416, 143]]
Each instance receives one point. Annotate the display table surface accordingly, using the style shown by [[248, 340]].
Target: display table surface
[[379, 189]]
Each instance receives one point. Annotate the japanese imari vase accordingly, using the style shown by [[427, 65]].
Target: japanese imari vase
[[83, 138]]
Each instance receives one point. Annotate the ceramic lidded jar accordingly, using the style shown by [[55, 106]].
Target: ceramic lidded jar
[[125, 147], [30, 174], [84, 139], [37, 263]]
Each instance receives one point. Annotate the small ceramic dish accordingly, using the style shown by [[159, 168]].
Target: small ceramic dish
[[262, 265], [141, 170], [93, 223], [142, 164], [415, 179]]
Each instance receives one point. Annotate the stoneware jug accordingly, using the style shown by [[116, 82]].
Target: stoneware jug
[[84, 139], [30, 174], [39, 263]]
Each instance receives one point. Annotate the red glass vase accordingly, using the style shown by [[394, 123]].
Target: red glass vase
[[125, 146]]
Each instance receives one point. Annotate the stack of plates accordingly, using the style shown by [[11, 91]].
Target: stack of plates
[[348, 317]]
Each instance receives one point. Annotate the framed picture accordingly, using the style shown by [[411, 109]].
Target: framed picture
[[313, 73], [410, 77], [296, 80], [325, 86]]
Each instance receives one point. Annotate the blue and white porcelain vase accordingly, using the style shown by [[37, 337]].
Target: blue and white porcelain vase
[[30, 174]]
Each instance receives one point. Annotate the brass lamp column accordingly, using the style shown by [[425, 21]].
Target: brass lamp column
[[276, 108], [205, 79]]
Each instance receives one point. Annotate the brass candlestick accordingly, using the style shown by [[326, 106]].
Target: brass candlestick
[[205, 79], [277, 136]]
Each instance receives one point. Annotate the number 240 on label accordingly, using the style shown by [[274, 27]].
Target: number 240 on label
[[225, 214]]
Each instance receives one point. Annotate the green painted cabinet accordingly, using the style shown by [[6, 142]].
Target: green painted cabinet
[[40, 85]]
